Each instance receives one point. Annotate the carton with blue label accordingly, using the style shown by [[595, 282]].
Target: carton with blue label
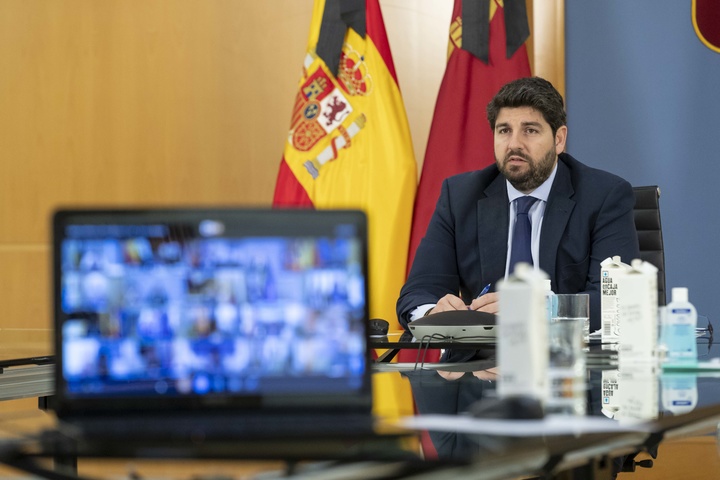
[[610, 270]]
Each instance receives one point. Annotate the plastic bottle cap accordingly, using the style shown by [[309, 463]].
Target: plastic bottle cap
[[679, 294]]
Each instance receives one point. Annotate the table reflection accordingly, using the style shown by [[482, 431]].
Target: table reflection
[[449, 392], [629, 394]]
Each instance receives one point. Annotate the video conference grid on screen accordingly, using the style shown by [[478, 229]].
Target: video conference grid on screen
[[158, 309]]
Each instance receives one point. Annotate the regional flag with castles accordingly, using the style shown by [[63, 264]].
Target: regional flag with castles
[[349, 143]]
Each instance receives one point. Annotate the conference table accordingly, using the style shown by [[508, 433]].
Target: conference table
[[593, 443], [623, 409]]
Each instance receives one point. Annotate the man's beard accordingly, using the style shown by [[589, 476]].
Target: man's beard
[[534, 176]]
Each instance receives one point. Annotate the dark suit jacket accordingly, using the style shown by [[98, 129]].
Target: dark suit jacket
[[588, 218]]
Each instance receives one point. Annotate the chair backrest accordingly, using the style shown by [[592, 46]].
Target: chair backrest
[[649, 230]]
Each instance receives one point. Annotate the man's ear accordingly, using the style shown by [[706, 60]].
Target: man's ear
[[560, 139]]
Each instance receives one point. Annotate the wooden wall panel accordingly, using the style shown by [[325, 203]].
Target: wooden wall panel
[[547, 52], [142, 102], [418, 35], [25, 296], [134, 102]]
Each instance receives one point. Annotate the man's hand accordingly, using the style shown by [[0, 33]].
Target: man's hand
[[486, 303], [448, 303]]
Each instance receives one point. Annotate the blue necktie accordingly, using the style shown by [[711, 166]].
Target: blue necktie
[[520, 249]]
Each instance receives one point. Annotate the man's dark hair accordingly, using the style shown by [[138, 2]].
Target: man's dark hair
[[534, 92]]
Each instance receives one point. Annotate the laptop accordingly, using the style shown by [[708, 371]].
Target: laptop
[[203, 324], [457, 326]]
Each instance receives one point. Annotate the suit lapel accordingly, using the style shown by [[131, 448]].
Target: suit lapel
[[492, 217], [557, 213]]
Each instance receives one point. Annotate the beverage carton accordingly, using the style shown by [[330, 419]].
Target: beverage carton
[[610, 270], [523, 334], [638, 331]]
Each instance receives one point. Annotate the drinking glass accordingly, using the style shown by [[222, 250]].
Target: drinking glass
[[566, 367], [573, 306]]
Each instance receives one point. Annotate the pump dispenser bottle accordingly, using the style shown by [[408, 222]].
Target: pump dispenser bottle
[[679, 329], [548, 298]]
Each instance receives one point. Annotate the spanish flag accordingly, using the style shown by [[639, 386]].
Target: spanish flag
[[486, 50], [349, 143]]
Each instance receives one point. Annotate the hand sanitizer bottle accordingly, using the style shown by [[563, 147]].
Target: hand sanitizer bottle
[[679, 329], [548, 298], [679, 392]]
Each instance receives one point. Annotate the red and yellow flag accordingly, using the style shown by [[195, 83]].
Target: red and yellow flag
[[460, 138], [349, 143]]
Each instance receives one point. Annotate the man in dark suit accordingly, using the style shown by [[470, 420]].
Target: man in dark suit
[[581, 216]]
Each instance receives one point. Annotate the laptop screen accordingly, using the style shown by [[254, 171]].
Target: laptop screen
[[188, 308]]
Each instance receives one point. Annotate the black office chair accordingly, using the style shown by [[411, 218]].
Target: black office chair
[[649, 230]]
